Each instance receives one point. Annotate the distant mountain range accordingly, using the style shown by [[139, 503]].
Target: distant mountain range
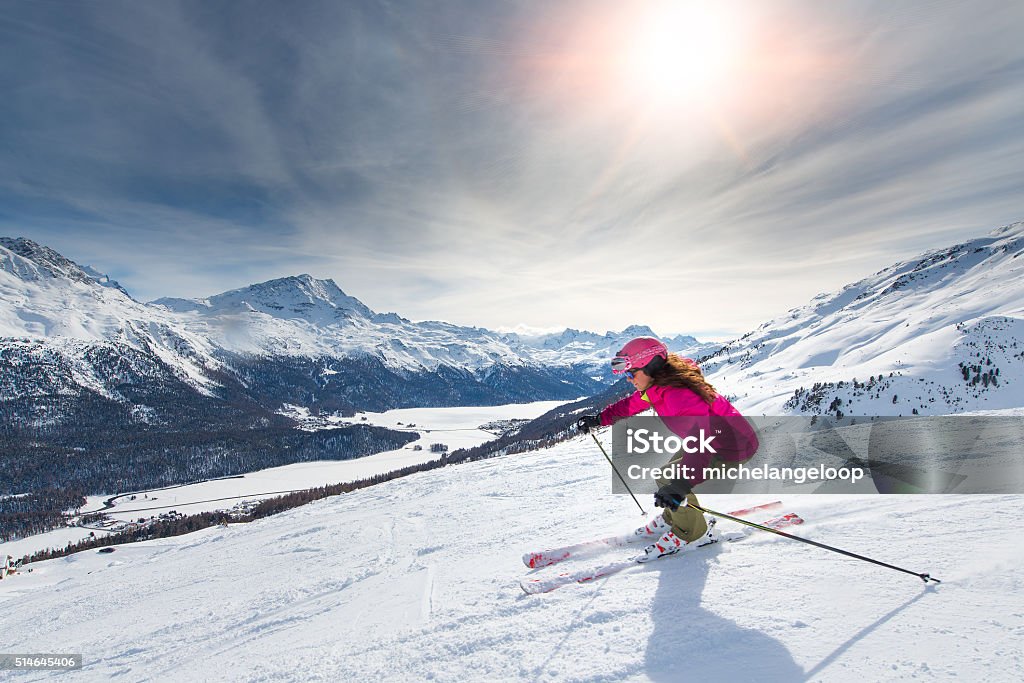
[[57, 310], [86, 368]]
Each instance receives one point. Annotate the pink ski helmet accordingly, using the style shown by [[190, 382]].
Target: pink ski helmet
[[638, 354]]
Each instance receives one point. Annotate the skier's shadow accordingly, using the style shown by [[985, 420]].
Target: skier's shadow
[[691, 643]]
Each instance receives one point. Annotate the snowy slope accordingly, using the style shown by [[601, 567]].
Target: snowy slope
[[932, 328], [456, 428], [417, 580]]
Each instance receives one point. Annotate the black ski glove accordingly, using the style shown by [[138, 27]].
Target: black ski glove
[[588, 422], [672, 494]]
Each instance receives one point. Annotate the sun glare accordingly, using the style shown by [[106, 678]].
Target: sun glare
[[680, 50]]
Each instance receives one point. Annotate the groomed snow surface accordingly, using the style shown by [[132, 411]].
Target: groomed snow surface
[[417, 579]]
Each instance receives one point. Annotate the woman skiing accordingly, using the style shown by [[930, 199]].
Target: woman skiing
[[677, 391]]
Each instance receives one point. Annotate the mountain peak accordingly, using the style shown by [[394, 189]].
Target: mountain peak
[[38, 262], [1011, 230], [47, 262], [294, 296], [634, 331]]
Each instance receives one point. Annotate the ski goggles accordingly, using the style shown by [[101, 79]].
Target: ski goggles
[[621, 364], [617, 368], [636, 362]]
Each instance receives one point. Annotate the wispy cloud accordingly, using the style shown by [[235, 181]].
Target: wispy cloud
[[478, 162]]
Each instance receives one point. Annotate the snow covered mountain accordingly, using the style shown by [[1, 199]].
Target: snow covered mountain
[[303, 316], [301, 297], [939, 334], [34, 262], [84, 363], [55, 309], [54, 302]]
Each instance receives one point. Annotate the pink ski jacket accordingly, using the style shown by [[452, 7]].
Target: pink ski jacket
[[685, 412]]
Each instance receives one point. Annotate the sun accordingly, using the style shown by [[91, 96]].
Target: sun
[[679, 50]]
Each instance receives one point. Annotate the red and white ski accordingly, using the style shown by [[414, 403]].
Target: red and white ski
[[533, 586], [543, 558]]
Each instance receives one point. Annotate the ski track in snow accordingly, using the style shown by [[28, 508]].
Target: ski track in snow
[[417, 579]]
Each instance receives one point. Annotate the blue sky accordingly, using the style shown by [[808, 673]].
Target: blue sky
[[698, 167]]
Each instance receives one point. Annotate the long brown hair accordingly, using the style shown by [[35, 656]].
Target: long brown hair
[[683, 372]]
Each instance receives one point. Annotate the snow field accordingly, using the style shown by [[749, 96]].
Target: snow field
[[417, 579]]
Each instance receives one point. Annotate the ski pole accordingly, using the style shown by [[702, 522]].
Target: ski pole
[[615, 469], [924, 577]]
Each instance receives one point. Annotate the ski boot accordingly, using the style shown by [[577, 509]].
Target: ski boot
[[655, 527], [670, 544]]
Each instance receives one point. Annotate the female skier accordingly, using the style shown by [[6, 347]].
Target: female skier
[[677, 391]]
